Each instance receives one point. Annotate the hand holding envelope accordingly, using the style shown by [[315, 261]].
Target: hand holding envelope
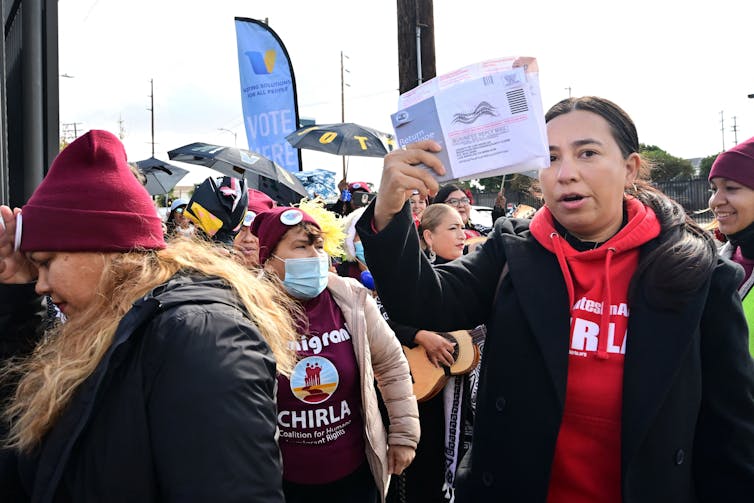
[[487, 118]]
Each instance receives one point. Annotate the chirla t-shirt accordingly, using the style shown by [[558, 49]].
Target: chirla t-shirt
[[319, 407]]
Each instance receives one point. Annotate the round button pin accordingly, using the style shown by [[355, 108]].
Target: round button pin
[[291, 217]]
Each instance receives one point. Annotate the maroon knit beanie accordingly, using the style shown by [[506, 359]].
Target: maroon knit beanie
[[90, 201], [258, 202], [270, 226], [736, 164]]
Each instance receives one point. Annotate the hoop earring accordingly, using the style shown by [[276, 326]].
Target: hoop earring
[[432, 256]]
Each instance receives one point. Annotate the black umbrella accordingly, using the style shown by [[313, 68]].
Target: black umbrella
[[344, 138], [260, 172], [161, 176]]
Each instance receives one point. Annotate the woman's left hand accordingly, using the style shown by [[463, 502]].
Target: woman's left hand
[[398, 458], [14, 267]]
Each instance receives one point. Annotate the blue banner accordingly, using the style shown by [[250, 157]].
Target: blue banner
[[268, 92]]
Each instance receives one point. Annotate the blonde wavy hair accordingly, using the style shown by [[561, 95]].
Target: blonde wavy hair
[[72, 350]]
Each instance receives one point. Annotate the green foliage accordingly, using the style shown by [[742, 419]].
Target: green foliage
[[705, 165], [160, 199], [515, 182], [666, 167]]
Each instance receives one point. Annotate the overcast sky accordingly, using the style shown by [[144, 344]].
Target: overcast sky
[[672, 65]]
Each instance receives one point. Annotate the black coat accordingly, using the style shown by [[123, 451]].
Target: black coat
[[688, 384], [181, 408], [21, 318]]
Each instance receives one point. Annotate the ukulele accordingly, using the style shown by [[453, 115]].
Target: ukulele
[[429, 380]]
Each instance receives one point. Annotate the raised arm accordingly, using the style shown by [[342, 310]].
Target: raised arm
[[453, 296]]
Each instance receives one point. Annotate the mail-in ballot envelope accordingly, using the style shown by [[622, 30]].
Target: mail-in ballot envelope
[[488, 118]]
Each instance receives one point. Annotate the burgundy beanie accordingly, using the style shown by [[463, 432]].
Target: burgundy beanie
[[362, 186], [736, 164], [90, 201], [270, 226], [258, 202]]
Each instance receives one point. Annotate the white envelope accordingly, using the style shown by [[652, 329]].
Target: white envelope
[[488, 118]]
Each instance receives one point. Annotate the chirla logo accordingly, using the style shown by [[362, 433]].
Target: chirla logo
[[262, 63]]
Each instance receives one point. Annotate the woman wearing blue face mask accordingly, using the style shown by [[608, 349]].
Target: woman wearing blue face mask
[[332, 439]]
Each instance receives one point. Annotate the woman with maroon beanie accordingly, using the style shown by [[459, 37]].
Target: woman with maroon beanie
[[159, 382], [334, 445], [246, 244], [732, 183], [616, 364]]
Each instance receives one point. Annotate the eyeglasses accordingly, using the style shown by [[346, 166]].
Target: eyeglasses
[[458, 202]]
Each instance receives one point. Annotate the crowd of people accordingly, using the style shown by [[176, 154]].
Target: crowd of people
[[249, 351]]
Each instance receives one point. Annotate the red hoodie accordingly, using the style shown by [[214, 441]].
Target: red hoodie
[[587, 462]]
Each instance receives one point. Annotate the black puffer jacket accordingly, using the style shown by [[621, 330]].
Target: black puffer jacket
[[21, 318], [181, 408]]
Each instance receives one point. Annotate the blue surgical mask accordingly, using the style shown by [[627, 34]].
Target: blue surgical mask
[[305, 278], [359, 252]]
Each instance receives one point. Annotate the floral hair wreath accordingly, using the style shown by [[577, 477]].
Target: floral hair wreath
[[331, 225]]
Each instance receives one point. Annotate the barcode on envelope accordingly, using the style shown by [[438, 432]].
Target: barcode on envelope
[[487, 81], [517, 101]]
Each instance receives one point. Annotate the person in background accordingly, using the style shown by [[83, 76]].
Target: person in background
[[138, 173], [159, 384], [452, 195], [445, 418], [177, 224], [418, 205], [217, 209], [441, 234], [732, 201], [353, 195], [245, 242], [500, 209], [616, 365], [332, 438]]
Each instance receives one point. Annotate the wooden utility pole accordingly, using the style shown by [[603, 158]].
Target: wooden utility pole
[[343, 71], [151, 109], [416, 30]]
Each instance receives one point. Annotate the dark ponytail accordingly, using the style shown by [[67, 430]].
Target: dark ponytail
[[682, 263]]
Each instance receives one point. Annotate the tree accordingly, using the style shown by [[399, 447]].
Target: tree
[[705, 165], [665, 167], [515, 182]]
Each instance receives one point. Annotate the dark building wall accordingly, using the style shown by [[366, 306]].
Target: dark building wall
[[30, 96]]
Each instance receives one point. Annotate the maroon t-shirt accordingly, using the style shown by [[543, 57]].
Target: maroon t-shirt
[[319, 408]]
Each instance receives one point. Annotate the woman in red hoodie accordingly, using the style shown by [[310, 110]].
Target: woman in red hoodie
[[615, 363]]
